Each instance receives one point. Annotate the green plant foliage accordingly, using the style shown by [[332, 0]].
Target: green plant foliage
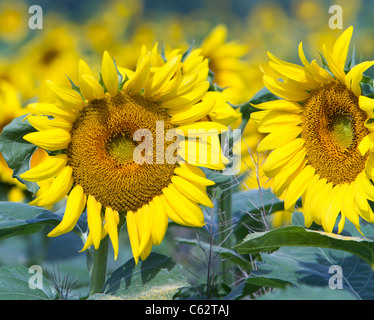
[[21, 219], [15, 285], [16, 151], [158, 277], [297, 236]]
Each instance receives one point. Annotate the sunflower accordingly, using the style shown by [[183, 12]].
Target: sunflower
[[321, 136], [90, 135], [10, 108], [225, 61]]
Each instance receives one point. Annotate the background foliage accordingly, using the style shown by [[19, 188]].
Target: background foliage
[[259, 261]]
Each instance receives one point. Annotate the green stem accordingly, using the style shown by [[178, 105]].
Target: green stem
[[99, 265], [226, 240]]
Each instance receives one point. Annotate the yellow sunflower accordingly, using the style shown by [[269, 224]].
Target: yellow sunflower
[[321, 136], [91, 132], [10, 108]]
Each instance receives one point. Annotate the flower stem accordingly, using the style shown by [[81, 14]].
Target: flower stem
[[226, 240], [99, 265]]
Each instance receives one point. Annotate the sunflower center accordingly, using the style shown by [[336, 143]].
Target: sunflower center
[[333, 126], [121, 147], [101, 151]]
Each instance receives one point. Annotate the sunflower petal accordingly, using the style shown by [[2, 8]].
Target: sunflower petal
[[66, 96], [74, 207], [132, 230], [91, 88], [49, 168], [58, 189], [111, 224], [109, 74], [192, 191], [52, 139], [94, 220]]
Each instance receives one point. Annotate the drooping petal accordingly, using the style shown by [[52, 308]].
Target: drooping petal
[[49, 168], [74, 207], [111, 225], [58, 189], [94, 220], [191, 191]]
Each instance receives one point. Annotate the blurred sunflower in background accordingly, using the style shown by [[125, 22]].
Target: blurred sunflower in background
[[91, 131], [10, 108], [320, 134]]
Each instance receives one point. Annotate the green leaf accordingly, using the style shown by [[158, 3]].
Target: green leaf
[[307, 293], [15, 285], [21, 219], [248, 206], [158, 278], [16, 151], [312, 266], [298, 236], [225, 253]]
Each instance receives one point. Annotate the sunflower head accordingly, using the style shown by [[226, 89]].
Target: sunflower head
[[320, 135], [119, 147]]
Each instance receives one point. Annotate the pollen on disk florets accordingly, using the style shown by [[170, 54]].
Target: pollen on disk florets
[[101, 151], [333, 126]]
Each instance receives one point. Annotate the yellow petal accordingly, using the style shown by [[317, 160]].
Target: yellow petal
[[333, 63], [366, 143], [193, 174], [297, 187], [144, 221], [193, 113], [52, 140], [58, 189], [187, 209], [187, 99], [146, 250], [279, 105], [66, 97], [172, 214], [191, 191], [202, 128], [186, 83], [140, 77], [287, 175], [279, 138], [94, 220], [162, 76], [85, 69], [367, 104], [349, 208], [303, 59], [354, 76], [109, 74], [132, 231], [282, 155], [202, 154], [111, 224], [91, 88], [333, 208], [293, 71], [41, 123], [285, 90], [341, 46], [160, 221], [268, 121], [49, 168], [50, 109], [74, 207]]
